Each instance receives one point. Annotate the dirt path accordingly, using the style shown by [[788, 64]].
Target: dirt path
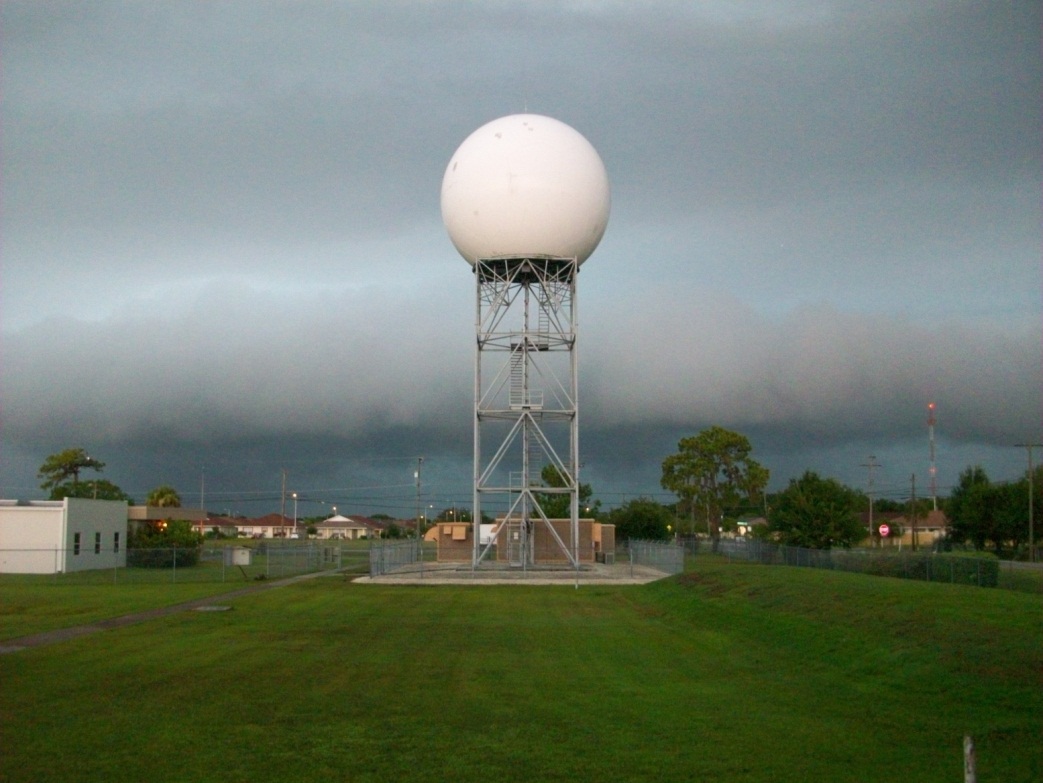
[[75, 632]]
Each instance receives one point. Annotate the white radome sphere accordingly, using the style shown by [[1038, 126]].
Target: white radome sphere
[[525, 186]]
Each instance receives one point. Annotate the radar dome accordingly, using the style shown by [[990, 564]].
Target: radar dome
[[525, 186]]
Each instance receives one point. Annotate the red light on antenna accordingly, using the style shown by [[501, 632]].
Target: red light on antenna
[[930, 405]]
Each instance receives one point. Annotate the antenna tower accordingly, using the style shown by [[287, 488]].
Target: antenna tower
[[933, 470], [525, 399]]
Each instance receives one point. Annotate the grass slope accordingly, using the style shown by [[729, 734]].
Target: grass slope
[[728, 672], [29, 607]]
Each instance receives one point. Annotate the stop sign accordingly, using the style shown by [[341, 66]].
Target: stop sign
[[884, 530]]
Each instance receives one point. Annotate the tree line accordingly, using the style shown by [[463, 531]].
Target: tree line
[[716, 480]]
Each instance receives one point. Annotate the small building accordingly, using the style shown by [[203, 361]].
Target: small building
[[196, 516], [61, 536], [905, 531], [269, 526], [225, 527], [349, 528], [597, 542], [745, 526]]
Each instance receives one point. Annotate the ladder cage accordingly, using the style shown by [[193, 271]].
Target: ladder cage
[[525, 392]]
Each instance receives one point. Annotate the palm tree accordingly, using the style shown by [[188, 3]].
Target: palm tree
[[164, 496]]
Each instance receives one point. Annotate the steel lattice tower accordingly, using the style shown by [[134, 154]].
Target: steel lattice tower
[[526, 411], [526, 199]]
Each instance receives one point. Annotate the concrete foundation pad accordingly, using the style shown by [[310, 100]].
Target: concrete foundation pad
[[458, 574]]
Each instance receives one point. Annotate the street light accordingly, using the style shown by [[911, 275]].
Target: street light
[[295, 513]]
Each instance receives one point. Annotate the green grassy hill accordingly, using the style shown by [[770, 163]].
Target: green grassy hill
[[727, 672]]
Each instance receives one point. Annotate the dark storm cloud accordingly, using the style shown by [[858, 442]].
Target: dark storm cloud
[[237, 365], [221, 229]]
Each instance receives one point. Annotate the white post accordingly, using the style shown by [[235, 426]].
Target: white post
[[970, 774]]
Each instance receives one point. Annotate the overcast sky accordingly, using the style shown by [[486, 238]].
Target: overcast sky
[[223, 255]]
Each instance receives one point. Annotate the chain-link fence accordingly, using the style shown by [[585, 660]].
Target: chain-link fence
[[408, 559], [262, 560], [397, 556], [665, 556], [925, 565]]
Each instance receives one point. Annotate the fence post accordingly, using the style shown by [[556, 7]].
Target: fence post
[[970, 772]]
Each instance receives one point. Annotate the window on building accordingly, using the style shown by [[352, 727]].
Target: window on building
[[76, 543], [97, 543], [116, 542]]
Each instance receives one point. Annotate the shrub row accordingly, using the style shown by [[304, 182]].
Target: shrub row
[[980, 568], [164, 557], [983, 570]]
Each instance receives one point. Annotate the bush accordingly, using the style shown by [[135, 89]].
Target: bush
[[965, 568], [164, 544], [641, 519], [170, 557], [982, 569]]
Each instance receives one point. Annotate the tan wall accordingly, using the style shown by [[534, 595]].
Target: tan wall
[[545, 548], [455, 542]]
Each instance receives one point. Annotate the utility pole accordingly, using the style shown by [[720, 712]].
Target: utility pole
[[872, 464], [202, 494], [1032, 543], [934, 469], [419, 463], [912, 503], [282, 512]]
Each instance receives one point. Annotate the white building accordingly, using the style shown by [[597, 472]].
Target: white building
[[350, 528], [58, 536]]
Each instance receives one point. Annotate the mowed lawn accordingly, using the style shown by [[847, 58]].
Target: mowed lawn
[[725, 673]]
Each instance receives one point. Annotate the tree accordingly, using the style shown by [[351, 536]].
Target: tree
[[641, 519], [984, 513], [712, 472], [968, 507], [816, 513], [96, 489], [163, 544], [58, 468], [164, 496], [556, 505]]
